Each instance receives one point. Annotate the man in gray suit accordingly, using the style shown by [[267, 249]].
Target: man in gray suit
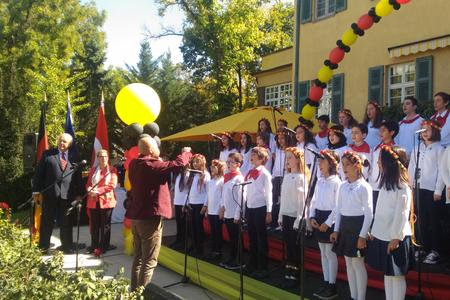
[[57, 171]]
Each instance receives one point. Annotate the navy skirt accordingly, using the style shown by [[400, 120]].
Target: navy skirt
[[321, 217], [347, 242], [397, 263]]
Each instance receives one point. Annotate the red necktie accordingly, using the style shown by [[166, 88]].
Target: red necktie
[[63, 161]]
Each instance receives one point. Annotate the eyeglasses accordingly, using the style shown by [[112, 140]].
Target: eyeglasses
[[230, 162]]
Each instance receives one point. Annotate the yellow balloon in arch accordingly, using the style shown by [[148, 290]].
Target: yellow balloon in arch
[[349, 37], [325, 74], [137, 103], [308, 112], [383, 8]]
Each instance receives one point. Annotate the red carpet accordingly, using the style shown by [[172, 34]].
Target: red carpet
[[434, 285]]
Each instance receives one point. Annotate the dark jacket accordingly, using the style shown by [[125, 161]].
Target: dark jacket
[[49, 171], [150, 194]]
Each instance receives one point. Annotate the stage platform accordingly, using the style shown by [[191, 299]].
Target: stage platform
[[208, 274]]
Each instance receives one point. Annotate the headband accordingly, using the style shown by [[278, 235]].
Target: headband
[[198, 155], [328, 155], [297, 152], [394, 155], [335, 131], [353, 156], [347, 112], [432, 123]]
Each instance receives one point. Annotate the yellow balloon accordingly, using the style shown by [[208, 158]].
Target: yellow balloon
[[308, 112], [325, 74], [349, 37], [137, 103], [383, 8]]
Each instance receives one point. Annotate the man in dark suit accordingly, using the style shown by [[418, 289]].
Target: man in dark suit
[[56, 171]]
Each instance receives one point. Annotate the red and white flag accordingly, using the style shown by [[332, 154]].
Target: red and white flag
[[101, 135]]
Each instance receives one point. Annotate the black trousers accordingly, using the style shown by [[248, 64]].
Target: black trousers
[[257, 233], [216, 233], [100, 227], [276, 191], [180, 219], [52, 208], [374, 200], [429, 218], [233, 234], [197, 232], [290, 239]]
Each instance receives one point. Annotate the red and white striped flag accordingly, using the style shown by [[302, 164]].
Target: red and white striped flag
[[101, 134]]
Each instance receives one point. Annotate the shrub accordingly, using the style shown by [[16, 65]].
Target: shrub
[[25, 275]]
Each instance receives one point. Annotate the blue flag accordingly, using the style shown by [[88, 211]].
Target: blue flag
[[68, 128]]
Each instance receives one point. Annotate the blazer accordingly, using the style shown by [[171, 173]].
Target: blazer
[[105, 188], [59, 183]]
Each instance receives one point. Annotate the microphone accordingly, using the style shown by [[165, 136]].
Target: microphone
[[215, 136], [316, 154], [290, 130], [194, 171], [420, 131], [277, 110], [244, 183], [73, 205], [79, 165]]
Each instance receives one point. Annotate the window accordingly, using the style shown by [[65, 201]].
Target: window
[[324, 8], [325, 102], [401, 82], [279, 96]]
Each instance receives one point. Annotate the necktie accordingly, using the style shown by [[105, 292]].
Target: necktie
[[63, 161]]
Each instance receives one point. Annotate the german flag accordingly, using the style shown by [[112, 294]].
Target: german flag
[[42, 145]]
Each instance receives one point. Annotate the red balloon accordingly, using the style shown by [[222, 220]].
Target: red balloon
[[315, 93], [365, 22], [336, 55], [403, 1]]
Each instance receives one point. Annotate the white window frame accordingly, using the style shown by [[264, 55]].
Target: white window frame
[[327, 9], [403, 85], [279, 96]]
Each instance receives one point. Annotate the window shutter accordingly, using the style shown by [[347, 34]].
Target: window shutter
[[306, 11], [424, 78], [376, 84], [303, 93], [340, 5], [337, 96]]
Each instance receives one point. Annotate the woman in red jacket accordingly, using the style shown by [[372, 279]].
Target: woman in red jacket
[[101, 200]]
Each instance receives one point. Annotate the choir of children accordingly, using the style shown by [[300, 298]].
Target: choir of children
[[362, 201]]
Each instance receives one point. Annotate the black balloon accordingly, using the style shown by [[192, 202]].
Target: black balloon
[[151, 128], [158, 141], [134, 130]]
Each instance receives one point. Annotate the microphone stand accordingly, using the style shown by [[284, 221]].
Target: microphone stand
[[302, 227], [32, 202], [419, 294], [78, 206], [186, 208], [240, 244]]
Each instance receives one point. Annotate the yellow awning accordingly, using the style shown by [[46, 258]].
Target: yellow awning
[[240, 122], [422, 46]]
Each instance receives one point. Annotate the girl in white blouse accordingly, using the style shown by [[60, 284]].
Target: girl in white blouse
[[292, 201], [373, 120], [347, 121], [390, 248], [197, 199], [226, 146], [305, 138], [214, 190], [338, 143], [245, 148], [321, 218], [353, 217]]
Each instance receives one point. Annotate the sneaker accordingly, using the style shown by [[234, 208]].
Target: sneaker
[[322, 289], [233, 266], [419, 252], [330, 292], [432, 258], [279, 228]]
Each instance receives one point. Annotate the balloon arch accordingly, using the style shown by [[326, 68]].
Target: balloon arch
[[349, 37]]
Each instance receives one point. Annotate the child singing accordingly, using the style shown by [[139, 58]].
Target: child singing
[[179, 200], [353, 217], [389, 249], [360, 146], [305, 138], [292, 201], [227, 146], [245, 146], [214, 190], [321, 218]]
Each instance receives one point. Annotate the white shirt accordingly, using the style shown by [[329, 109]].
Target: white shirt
[[293, 193], [339, 151], [259, 193], [373, 135], [406, 134], [199, 195], [322, 142], [231, 197], [325, 196], [429, 159], [364, 156], [348, 135], [246, 165], [214, 191], [280, 161], [309, 157], [445, 130], [391, 219], [272, 143], [374, 175], [269, 162], [179, 197], [355, 199], [444, 171], [223, 156]]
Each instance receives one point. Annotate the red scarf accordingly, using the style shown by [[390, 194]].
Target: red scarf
[[323, 133], [230, 175], [439, 119], [404, 121], [364, 148], [253, 174]]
